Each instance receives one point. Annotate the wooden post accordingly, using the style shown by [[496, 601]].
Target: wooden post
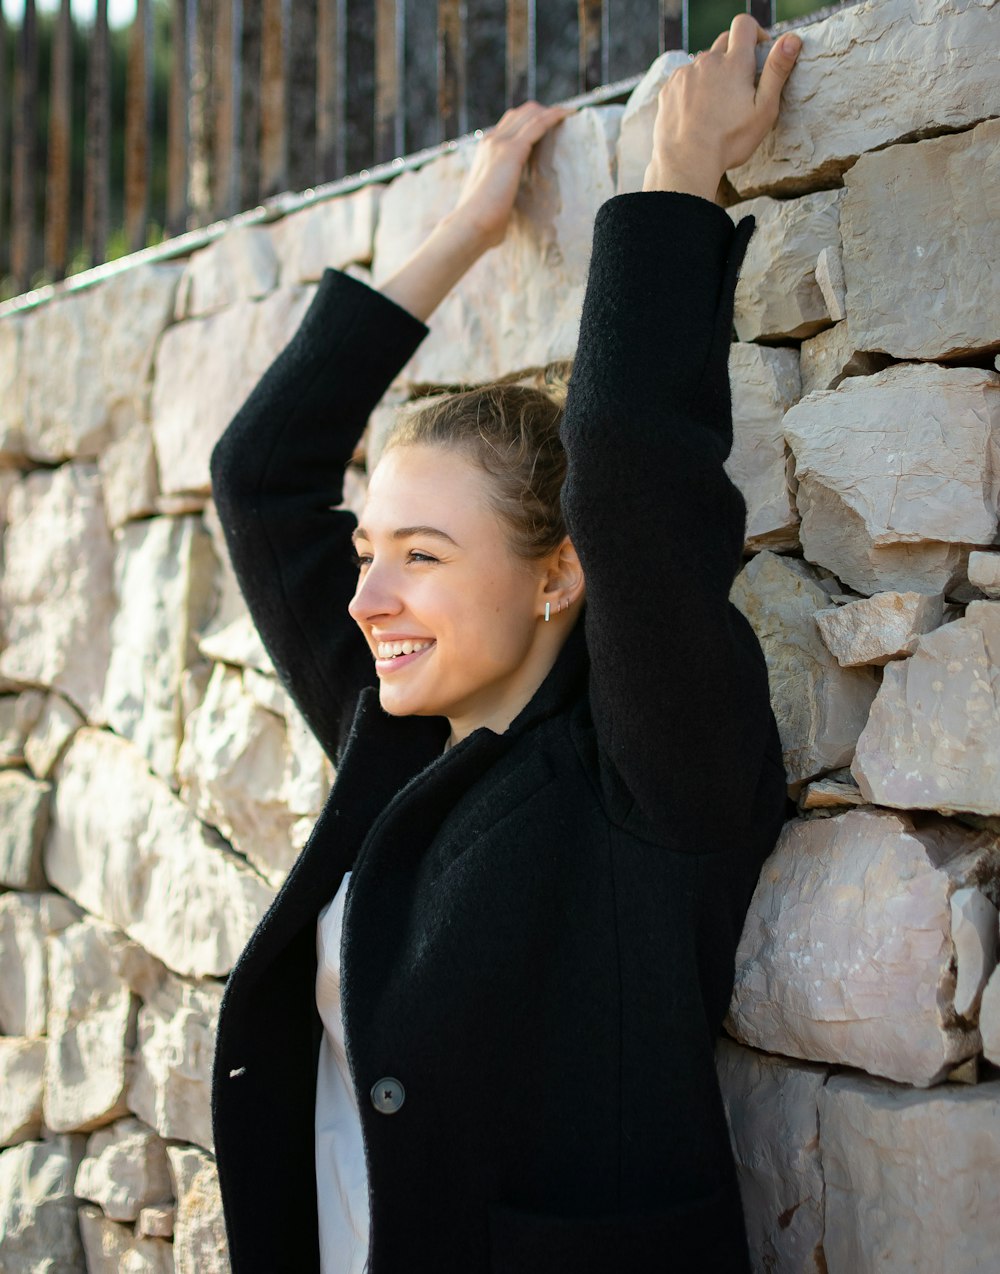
[[249, 134], [4, 91], [300, 93], [763, 11], [452, 102], [226, 79], [390, 121], [23, 246], [331, 83], [138, 126], [177, 119], [520, 51], [594, 44], [97, 172], [673, 25], [201, 126], [57, 186], [273, 119]]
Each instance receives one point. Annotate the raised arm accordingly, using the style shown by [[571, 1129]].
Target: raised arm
[[679, 685]]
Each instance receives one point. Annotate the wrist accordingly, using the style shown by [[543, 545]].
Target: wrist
[[697, 178], [463, 236]]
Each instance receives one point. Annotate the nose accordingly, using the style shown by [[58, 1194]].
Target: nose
[[374, 596]]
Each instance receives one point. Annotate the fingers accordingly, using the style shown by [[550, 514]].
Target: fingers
[[776, 71], [528, 117], [744, 34]]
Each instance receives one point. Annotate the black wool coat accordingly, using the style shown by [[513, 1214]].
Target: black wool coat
[[540, 926]]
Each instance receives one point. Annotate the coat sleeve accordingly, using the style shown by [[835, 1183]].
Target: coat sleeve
[[277, 473], [678, 683]]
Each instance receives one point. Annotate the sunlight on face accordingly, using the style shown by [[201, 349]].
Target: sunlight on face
[[448, 610]]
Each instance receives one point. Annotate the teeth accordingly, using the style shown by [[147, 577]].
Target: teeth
[[391, 649]]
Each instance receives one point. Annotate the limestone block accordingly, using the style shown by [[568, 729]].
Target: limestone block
[[128, 475], [38, 1225], [820, 707], [876, 629], [933, 737], [24, 817], [905, 1176], [230, 636], [974, 933], [94, 971], [832, 355], [164, 579], [242, 265], [984, 573], [125, 848], [9, 478], [18, 715], [125, 1170], [834, 791], [205, 369], [308, 774], [13, 449], [22, 1064], [635, 138], [898, 473], [112, 1248], [331, 234], [765, 383], [156, 1223], [56, 725], [26, 920], [872, 74], [774, 1126], [200, 1245], [846, 954], [57, 593], [989, 1019], [172, 1080], [486, 328], [102, 341], [267, 692], [919, 225], [778, 295], [231, 768], [831, 281]]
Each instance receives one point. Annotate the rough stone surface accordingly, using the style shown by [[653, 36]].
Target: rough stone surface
[[832, 355], [18, 715], [989, 1019], [771, 1106], [984, 573], [898, 473], [242, 265], [205, 369], [974, 933], [846, 954], [56, 725], [834, 791], [156, 1223], [485, 328], [94, 974], [831, 281], [128, 475], [172, 1080], [125, 848], [102, 342], [13, 449], [200, 1245], [635, 138], [906, 1176], [231, 770], [9, 478], [875, 629], [24, 817], [164, 579], [125, 1170], [26, 920], [332, 234], [920, 225], [22, 1065], [778, 295], [820, 707], [230, 636], [872, 74], [38, 1225], [765, 383], [933, 737], [114, 1249], [57, 593]]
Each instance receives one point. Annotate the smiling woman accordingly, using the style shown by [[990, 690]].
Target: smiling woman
[[479, 1019]]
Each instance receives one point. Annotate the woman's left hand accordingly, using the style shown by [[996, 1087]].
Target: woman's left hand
[[711, 117]]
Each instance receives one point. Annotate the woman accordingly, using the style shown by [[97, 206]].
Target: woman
[[553, 813]]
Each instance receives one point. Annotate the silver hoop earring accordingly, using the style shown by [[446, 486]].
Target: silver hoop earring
[[548, 611]]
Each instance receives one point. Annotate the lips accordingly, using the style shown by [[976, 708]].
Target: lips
[[393, 656]]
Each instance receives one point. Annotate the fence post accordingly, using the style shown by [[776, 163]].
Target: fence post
[[4, 91], [390, 119], [227, 90], [594, 44], [521, 86], [452, 102], [763, 11], [57, 185], [138, 126], [330, 89], [98, 142], [177, 120], [673, 25], [23, 249]]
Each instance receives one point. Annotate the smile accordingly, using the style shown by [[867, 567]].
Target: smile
[[394, 656]]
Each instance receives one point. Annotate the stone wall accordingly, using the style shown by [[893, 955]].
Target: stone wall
[[157, 783]]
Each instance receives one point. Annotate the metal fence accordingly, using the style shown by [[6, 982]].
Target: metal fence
[[257, 97]]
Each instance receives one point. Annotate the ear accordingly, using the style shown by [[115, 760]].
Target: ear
[[563, 582]]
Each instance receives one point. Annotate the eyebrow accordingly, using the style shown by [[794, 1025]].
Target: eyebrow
[[404, 532]]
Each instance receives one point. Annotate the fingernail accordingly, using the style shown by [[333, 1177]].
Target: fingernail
[[791, 45]]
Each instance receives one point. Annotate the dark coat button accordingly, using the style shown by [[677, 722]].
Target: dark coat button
[[388, 1095]]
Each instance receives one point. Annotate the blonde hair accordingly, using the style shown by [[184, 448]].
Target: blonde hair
[[510, 429]]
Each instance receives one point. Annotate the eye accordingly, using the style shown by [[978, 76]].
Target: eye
[[416, 556], [361, 559]]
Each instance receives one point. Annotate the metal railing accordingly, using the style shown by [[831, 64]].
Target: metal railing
[[259, 97]]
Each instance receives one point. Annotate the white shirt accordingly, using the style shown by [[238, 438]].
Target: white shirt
[[341, 1175]]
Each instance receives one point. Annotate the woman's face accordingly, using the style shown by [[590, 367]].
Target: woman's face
[[451, 615]]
